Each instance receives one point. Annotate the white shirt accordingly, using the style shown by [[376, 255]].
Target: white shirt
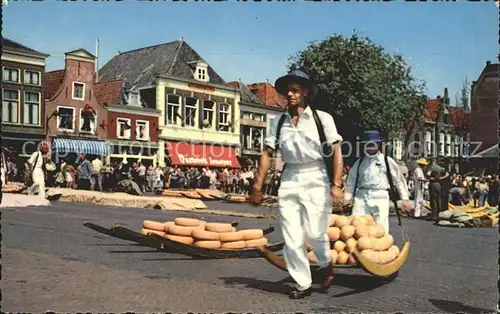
[[300, 144], [373, 175], [418, 174], [39, 162]]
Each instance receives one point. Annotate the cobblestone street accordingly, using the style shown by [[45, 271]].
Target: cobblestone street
[[51, 262]]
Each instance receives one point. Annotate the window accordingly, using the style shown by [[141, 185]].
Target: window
[[173, 105], [190, 111], [87, 121], [257, 139], [79, 91], [447, 149], [441, 144], [123, 128], [246, 115], [224, 117], [428, 143], [201, 73], [31, 108], [269, 123], [66, 118], [208, 113], [456, 146], [11, 75], [259, 117], [142, 130], [31, 77], [10, 105]]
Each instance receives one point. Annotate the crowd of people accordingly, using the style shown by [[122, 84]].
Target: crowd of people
[[92, 173]]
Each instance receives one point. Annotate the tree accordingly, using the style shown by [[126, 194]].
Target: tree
[[463, 100], [365, 86]]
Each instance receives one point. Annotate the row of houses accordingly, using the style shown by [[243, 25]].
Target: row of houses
[[165, 104], [161, 104]]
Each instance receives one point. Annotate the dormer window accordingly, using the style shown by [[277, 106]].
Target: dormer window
[[201, 72]]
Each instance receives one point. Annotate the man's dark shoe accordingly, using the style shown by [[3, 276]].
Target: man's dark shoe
[[300, 294], [328, 278]]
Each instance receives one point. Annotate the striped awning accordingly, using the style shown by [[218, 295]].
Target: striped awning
[[88, 147]]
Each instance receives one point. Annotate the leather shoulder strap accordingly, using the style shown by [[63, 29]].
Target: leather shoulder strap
[[357, 175], [278, 132], [319, 126], [389, 175]]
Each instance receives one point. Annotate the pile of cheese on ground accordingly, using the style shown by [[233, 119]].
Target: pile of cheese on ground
[[469, 217], [206, 234], [13, 187], [347, 233]]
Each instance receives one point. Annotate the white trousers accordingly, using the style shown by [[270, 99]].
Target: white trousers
[[305, 206], [38, 182], [374, 203], [419, 202]]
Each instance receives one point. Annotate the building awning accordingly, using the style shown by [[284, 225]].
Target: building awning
[[491, 152], [88, 147], [202, 155]]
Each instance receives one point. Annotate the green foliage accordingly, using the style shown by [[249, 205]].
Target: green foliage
[[363, 83]]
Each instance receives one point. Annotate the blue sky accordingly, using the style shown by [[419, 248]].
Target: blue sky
[[443, 42]]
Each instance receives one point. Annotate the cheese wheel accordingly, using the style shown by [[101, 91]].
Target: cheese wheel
[[339, 246], [187, 222], [252, 234], [341, 221], [181, 230], [351, 260], [218, 227], [365, 243], [180, 239], [332, 219], [350, 245], [208, 244], [231, 236], [369, 254], [384, 243], [362, 230], [358, 220], [333, 233], [256, 242], [349, 219], [342, 258], [395, 250], [205, 235], [369, 219], [376, 231], [334, 255], [202, 225], [147, 231], [153, 225], [234, 245], [312, 257], [167, 225], [233, 229], [347, 232]]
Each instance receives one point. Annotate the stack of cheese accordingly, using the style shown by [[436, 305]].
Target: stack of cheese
[[206, 234], [347, 233]]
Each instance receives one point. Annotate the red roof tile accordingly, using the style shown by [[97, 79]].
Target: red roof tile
[[108, 92], [51, 82], [459, 117], [268, 95], [432, 109]]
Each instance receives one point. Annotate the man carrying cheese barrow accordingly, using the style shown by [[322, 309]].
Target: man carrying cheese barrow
[[308, 183], [368, 182]]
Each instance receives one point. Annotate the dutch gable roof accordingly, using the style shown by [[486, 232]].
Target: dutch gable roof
[[140, 67]]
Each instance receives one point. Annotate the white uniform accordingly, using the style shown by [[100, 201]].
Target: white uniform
[[418, 174], [304, 196], [38, 174], [371, 196]]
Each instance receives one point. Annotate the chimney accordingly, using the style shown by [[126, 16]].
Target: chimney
[[488, 62], [438, 97]]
